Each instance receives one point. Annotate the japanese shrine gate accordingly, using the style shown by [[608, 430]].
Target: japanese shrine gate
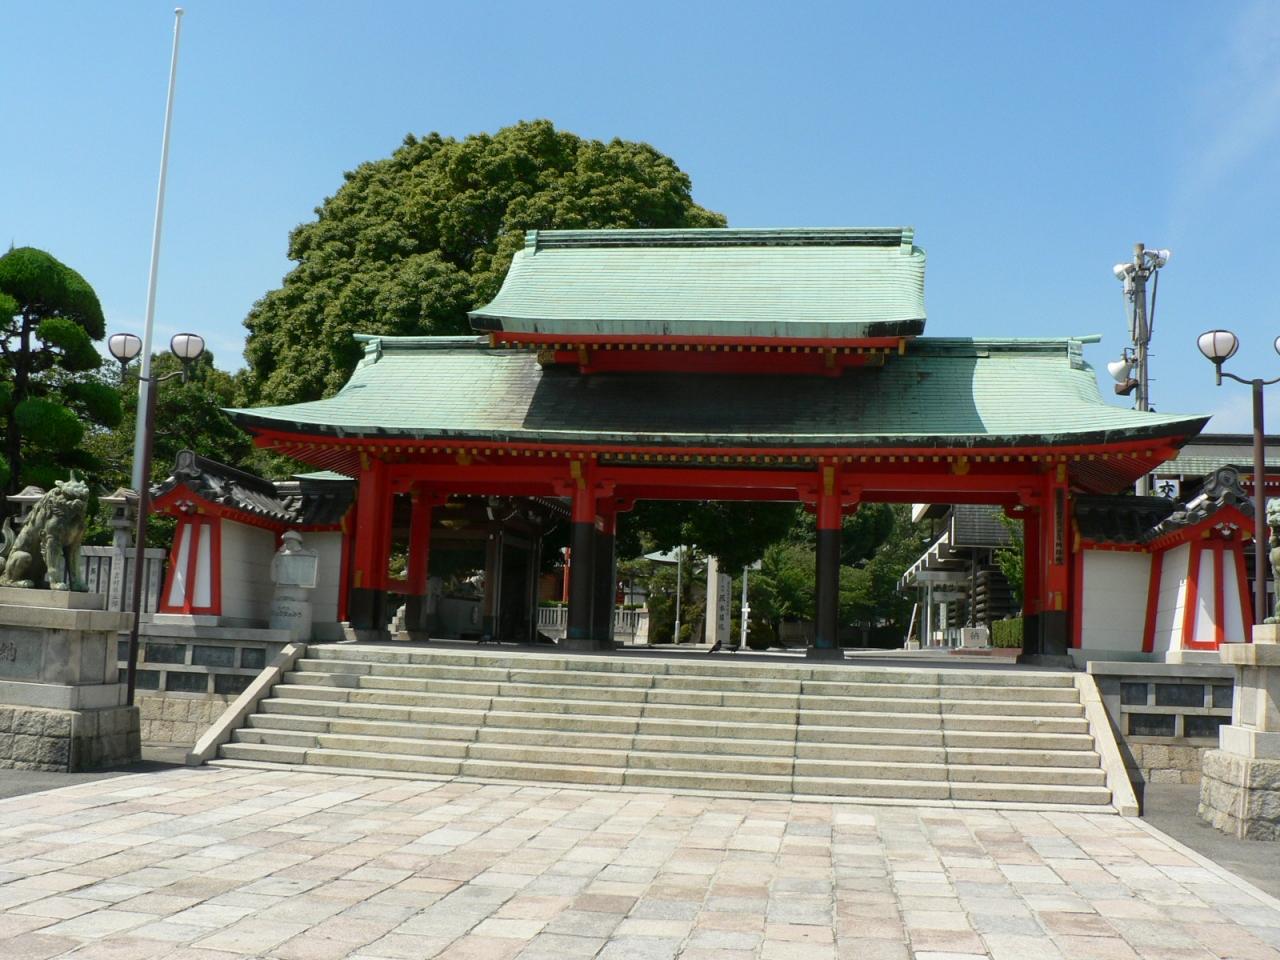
[[768, 365]]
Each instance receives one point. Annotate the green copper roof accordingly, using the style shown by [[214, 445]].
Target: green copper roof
[[941, 393], [793, 283]]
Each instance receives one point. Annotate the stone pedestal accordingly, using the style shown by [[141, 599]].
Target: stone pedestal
[[1240, 786], [61, 707]]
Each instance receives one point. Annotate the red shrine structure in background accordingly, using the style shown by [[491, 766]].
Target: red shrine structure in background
[[769, 365]]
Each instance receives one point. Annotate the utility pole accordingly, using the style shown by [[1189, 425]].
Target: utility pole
[[1132, 372]]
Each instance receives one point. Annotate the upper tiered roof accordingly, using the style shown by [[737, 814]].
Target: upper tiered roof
[[842, 286]]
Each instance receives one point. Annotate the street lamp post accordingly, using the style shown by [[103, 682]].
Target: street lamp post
[[125, 347], [1219, 346]]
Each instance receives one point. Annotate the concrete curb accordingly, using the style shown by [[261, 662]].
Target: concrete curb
[[206, 748], [1122, 796]]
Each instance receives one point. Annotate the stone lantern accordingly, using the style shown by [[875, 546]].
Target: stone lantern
[[124, 516], [293, 569], [25, 500]]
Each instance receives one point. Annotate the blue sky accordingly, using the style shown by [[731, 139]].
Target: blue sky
[[1029, 146]]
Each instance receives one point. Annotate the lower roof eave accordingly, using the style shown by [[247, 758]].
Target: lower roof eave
[[1175, 433]]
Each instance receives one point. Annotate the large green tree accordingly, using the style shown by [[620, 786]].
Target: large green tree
[[409, 243], [49, 390]]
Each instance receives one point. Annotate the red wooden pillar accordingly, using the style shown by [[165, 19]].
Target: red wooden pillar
[[826, 640], [366, 599], [578, 630], [416, 612], [1047, 590]]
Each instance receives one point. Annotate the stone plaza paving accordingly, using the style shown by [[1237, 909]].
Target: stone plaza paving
[[223, 862]]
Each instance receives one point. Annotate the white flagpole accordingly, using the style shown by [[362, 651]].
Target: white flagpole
[[144, 382]]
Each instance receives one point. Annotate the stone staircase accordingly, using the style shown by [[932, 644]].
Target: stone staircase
[[942, 735]]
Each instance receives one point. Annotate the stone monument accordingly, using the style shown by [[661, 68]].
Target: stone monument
[[61, 705], [1240, 782]]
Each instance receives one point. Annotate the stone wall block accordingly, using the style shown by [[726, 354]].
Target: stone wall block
[[56, 751], [29, 722], [174, 709], [6, 719], [1265, 776], [26, 748], [6, 746]]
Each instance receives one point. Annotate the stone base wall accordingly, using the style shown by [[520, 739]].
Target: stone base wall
[[32, 738], [175, 720], [1241, 796], [1169, 761]]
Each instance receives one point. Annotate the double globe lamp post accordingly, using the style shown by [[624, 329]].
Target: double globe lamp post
[[126, 347], [1219, 346]]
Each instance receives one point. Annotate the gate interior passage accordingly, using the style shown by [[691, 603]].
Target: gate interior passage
[[621, 365]]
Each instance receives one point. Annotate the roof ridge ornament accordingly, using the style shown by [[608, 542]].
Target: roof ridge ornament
[[901, 237]]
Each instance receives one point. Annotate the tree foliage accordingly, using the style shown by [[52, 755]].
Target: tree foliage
[[409, 243], [1012, 559], [188, 416], [49, 389]]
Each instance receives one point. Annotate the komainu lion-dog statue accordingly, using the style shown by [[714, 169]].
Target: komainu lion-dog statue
[[46, 551]]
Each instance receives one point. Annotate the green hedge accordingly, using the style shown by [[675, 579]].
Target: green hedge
[[1007, 633]]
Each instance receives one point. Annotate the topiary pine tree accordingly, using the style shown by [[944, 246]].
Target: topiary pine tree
[[49, 319]]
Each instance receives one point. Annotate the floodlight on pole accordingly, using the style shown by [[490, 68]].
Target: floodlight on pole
[[1219, 346]]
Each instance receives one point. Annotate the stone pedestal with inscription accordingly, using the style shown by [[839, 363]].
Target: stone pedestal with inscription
[[1240, 785], [61, 705]]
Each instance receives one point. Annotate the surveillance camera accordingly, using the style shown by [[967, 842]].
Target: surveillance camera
[[1122, 270]]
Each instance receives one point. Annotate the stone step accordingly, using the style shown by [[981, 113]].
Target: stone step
[[873, 697], [706, 685], [614, 664], [1084, 756], [1009, 773], [991, 740], [995, 723], [600, 708], [870, 769], [936, 706], [932, 790], [977, 691], [707, 780], [438, 749], [872, 752], [847, 730], [363, 760], [553, 772], [812, 733], [1031, 793]]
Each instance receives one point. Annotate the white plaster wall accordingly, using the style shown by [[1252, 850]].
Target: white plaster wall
[[1234, 630], [324, 598], [1205, 614], [1173, 591], [246, 572], [1114, 600]]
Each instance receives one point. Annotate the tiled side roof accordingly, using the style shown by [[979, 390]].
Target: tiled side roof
[[940, 393], [1183, 466], [795, 283], [304, 501], [1136, 520]]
